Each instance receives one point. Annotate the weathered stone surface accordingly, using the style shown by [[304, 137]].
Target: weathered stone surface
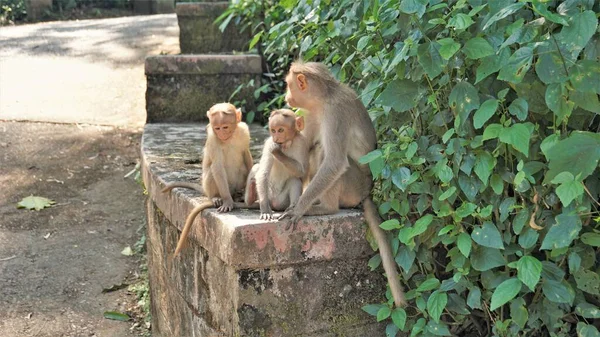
[[37, 8], [198, 34], [181, 88], [240, 276], [153, 6]]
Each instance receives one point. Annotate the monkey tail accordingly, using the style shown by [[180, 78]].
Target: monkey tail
[[182, 184], [188, 224], [389, 265]]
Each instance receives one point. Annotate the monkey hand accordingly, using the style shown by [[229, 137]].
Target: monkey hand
[[294, 218], [226, 206], [277, 151]]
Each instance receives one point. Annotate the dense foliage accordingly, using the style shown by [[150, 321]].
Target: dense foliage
[[12, 10], [487, 168]]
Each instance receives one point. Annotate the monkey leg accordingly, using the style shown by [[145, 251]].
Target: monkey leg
[[329, 203], [251, 193]]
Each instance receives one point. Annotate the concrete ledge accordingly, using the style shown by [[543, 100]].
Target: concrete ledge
[[240, 276], [181, 88], [198, 34]]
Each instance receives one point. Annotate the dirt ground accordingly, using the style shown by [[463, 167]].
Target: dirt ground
[[71, 112]]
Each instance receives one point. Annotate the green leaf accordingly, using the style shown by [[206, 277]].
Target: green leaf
[[542, 9], [497, 184], [376, 166], [402, 95], [518, 135], [306, 43], [569, 190], [586, 100], [127, 251], [502, 13], [33, 202], [405, 258], [369, 157], [372, 309], [255, 39], [587, 310], [383, 313], [520, 220], [491, 64], [574, 262], [413, 7], [474, 298], [390, 224], [117, 316], [588, 281], [587, 330], [518, 108], [550, 66], [447, 194], [557, 101], [438, 329], [422, 224], [492, 131], [529, 270], [464, 244], [391, 330], [582, 27], [428, 285], [591, 239], [363, 42], [449, 48], [464, 98], [517, 66], [484, 258], [562, 233], [557, 292], [484, 166], [401, 178], [477, 48], [585, 76], [428, 56], [460, 21], [505, 292], [528, 238], [436, 304], [485, 112], [470, 187], [488, 236], [518, 312], [399, 318], [374, 262], [578, 154], [466, 209]]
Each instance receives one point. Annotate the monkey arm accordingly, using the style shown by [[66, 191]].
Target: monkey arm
[[295, 167], [262, 176], [219, 174]]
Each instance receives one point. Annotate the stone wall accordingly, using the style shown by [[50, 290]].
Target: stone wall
[[198, 34], [241, 276], [181, 88]]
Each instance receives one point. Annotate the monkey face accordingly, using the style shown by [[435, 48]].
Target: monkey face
[[224, 131], [223, 119], [296, 90]]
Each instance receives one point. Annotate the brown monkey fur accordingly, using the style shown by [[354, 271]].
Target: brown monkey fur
[[225, 165], [339, 130], [283, 164]]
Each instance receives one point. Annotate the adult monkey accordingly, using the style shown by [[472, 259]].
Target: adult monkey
[[339, 130]]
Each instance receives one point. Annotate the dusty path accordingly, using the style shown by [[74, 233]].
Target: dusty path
[[54, 263]]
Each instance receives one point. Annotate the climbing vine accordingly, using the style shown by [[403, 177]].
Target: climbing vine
[[487, 115]]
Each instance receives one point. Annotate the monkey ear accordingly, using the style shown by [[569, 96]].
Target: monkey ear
[[238, 115], [208, 114], [302, 82], [300, 123]]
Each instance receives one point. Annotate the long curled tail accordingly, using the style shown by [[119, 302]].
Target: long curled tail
[[188, 224], [389, 265], [182, 184]]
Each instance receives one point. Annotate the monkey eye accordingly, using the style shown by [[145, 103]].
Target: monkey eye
[[280, 130]]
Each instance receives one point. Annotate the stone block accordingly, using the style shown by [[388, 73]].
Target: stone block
[[181, 88], [198, 34], [241, 276], [37, 8], [146, 7]]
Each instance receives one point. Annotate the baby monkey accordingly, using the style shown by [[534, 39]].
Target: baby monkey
[[283, 164], [225, 165]]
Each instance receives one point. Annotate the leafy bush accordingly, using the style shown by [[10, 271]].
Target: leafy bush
[[12, 10], [487, 169]]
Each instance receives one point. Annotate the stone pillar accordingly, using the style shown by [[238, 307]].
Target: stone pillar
[[241, 276], [199, 35], [36, 8], [181, 88]]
